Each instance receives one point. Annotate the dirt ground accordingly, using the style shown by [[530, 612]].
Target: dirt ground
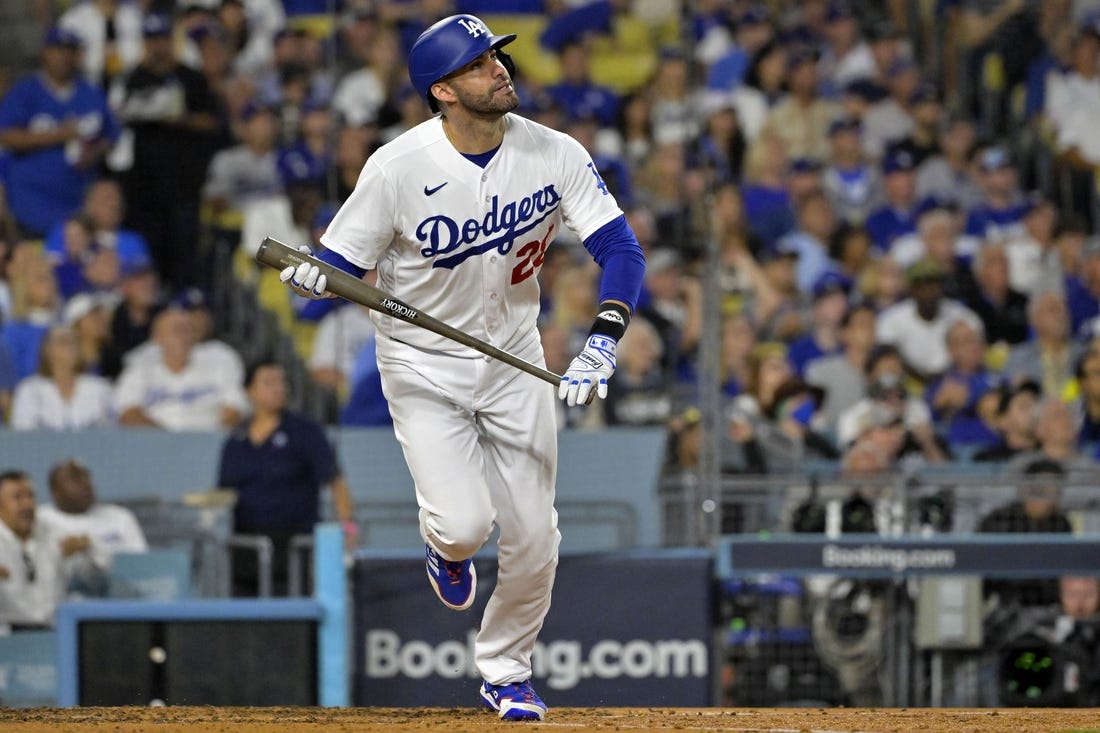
[[470, 720]]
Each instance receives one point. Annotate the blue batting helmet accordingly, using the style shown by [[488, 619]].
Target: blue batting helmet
[[448, 45]]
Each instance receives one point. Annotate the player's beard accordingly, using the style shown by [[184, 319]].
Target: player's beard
[[495, 102]]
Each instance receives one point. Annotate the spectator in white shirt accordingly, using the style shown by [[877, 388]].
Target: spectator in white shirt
[[105, 529], [1073, 101], [918, 325], [193, 302], [186, 389], [60, 396], [35, 564]]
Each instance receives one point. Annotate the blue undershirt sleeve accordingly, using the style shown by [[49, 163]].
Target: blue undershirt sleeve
[[337, 260], [615, 249]]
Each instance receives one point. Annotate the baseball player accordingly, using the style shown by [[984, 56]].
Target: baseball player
[[455, 217]]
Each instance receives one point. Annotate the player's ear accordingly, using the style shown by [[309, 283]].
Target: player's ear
[[443, 92]]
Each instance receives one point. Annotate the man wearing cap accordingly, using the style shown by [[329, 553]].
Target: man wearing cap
[[110, 31], [918, 325], [927, 112], [847, 56], [999, 214], [851, 184], [801, 119], [56, 128], [892, 118], [898, 215], [132, 319], [173, 117], [830, 301]]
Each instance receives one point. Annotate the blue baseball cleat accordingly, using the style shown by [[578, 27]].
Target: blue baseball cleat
[[517, 701], [455, 582]]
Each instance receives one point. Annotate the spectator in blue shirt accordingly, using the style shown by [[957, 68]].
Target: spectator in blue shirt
[[576, 94], [56, 127], [954, 397], [278, 462], [898, 216], [1001, 212], [816, 223], [34, 310], [102, 212], [830, 301]]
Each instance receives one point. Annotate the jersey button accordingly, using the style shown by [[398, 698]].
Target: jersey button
[[493, 258], [484, 177], [492, 296]]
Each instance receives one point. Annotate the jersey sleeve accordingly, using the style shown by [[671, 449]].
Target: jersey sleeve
[[13, 108], [364, 226], [587, 204]]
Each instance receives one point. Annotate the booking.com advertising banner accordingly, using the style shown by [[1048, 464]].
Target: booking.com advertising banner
[[623, 630]]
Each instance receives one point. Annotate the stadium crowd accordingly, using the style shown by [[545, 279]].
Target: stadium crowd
[[903, 219]]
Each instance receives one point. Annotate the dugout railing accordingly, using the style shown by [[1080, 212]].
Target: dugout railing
[[797, 626]]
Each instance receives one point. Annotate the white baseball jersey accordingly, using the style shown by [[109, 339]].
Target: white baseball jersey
[[464, 243]]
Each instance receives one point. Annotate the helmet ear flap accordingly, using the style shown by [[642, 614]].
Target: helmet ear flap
[[507, 62]]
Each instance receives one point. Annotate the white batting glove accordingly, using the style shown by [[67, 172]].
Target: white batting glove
[[306, 279], [589, 371]]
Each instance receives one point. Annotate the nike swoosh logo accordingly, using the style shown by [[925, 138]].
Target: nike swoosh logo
[[430, 191]]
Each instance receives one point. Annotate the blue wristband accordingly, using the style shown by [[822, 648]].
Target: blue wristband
[[337, 260]]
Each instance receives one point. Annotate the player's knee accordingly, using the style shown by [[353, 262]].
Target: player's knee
[[459, 540]]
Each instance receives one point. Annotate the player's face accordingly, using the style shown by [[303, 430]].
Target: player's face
[[483, 86]]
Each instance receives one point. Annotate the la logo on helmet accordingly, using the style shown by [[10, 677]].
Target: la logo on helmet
[[474, 28]]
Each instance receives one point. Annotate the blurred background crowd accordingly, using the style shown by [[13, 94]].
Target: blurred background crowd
[[896, 201]]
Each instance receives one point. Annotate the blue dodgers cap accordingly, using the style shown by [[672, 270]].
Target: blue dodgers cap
[[781, 248], [924, 93], [831, 282], [754, 15], [900, 66], [253, 108], [136, 265], [845, 124], [156, 25], [190, 299], [865, 89], [898, 160], [805, 165], [838, 10], [58, 36]]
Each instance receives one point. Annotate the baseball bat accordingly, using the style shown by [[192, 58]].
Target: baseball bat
[[278, 255]]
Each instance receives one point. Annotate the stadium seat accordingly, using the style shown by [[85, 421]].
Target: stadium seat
[[158, 574]]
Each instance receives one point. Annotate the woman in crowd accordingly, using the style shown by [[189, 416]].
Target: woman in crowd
[[60, 396]]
